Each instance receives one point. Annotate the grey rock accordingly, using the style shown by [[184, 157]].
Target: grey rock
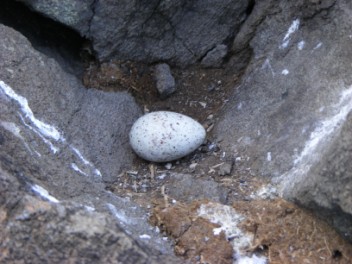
[[95, 123], [165, 82], [214, 57], [75, 14], [184, 188], [38, 231], [178, 32], [327, 183], [105, 118], [57, 135], [225, 169], [293, 98]]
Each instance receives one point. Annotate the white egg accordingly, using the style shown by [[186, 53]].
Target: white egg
[[165, 136]]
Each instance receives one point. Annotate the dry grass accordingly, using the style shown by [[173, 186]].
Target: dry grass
[[289, 234]]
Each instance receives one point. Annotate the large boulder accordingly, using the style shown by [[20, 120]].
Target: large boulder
[[74, 14], [37, 231], [325, 185], [293, 99], [61, 142], [179, 32], [93, 123]]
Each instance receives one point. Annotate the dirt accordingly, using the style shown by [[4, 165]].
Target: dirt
[[201, 94], [279, 230], [282, 232], [286, 233], [194, 235]]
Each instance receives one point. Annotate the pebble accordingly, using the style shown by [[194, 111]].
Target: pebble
[[168, 166], [165, 82], [165, 136], [225, 169]]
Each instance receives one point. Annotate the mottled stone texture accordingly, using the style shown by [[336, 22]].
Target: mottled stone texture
[[284, 119], [36, 231], [180, 32], [37, 95]]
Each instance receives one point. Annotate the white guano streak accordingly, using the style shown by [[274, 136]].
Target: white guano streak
[[75, 168], [120, 216], [85, 161], [292, 29], [44, 193], [45, 129], [78, 153], [328, 126], [53, 148]]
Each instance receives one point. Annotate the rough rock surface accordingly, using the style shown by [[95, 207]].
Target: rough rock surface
[[61, 141], [165, 82], [214, 58], [287, 121], [294, 96], [95, 123], [184, 188], [326, 185], [37, 231], [180, 32], [75, 14]]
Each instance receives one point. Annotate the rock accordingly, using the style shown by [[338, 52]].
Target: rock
[[165, 136], [177, 32], [62, 103], [68, 231], [165, 82], [225, 169], [326, 183], [105, 118], [185, 188], [75, 14], [293, 99], [214, 57], [61, 143]]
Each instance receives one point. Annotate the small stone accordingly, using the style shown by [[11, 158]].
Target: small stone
[[168, 166], [165, 82], [225, 169], [193, 166]]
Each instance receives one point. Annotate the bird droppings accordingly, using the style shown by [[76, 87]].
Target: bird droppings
[[318, 138], [259, 231], [45, 129], [78, 153], [268, 156], [318, 46], [292, 29], [75, 168], [46, 132], [165, 136], [285, 72], [301, 44], [145, 236], [44, 193], [254, 259], [193, 235], [123, 219], [89, 208], [12, 127], [186, 101], [227, 219]]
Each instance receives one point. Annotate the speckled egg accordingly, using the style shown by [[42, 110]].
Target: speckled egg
[[165, 136]]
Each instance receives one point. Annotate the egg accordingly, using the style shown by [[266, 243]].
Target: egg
[[165, 136]]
